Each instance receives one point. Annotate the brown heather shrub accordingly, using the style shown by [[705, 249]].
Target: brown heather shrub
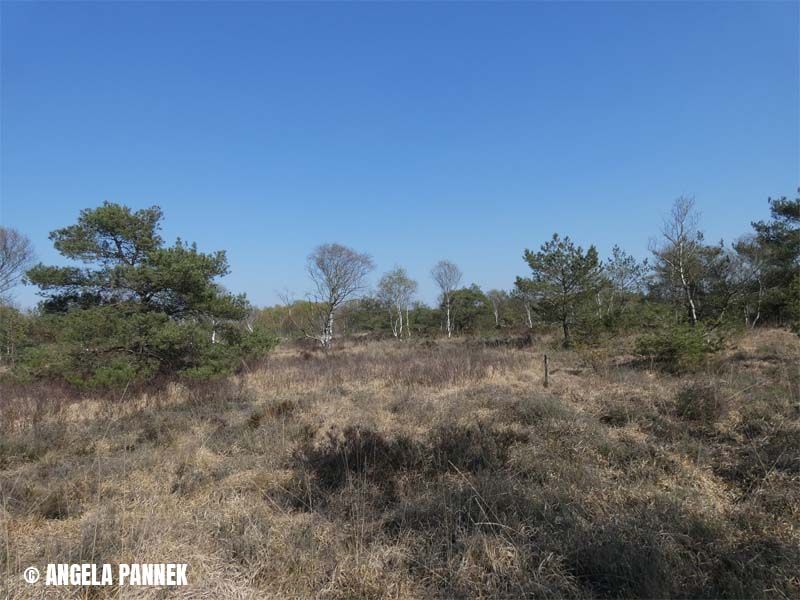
[[358, 453], [623, 560], [472, 448], [700, 401]]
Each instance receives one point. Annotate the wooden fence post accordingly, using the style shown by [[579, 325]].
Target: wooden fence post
[[546, 372]]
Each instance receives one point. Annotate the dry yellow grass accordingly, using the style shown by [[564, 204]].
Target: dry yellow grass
[[409, 470]]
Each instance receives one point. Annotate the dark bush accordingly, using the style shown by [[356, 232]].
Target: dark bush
[[679, 348], [623, 561], [358, 453], [700, 402], [472, 448], [616, 415]]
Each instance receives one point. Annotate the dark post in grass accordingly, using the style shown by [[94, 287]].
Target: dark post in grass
[[546, 372]]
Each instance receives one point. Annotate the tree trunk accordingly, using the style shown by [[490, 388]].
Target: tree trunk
[[692, 307], [449, 325], [758, 304], [686, 287], [688, 291], [400, 321], [327, 334], [565, 326]]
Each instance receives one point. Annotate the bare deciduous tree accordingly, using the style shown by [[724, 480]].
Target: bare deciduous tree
[[396, 290], [16, 255], [447, 276], [338, 273], [526, 295], [624, 276], [679, 252]]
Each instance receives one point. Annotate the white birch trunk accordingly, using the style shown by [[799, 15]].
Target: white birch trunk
[[327, 334], [400, 320], [686, 288], [758, 304]]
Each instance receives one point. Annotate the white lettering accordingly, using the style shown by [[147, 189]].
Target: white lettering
[[144, 574], [181, 575], [123, 573]]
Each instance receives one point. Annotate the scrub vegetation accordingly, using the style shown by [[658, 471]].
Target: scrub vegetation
[[439, 469], [364, 445]]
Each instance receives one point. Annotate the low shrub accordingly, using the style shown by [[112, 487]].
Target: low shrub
[[679, 348], [623, 561], [700, 402], [472, 448], [358, 453], [615, 415]]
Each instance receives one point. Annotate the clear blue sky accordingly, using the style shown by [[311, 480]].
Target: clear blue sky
[[413, 131]]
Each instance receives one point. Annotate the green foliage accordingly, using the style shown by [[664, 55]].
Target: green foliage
[[137, 308], [111, 233], [720, 283], [109, 346], [793, 304], [14, 333], [679, 347], [365, 315], [621, 284], [425, 320], [563, 278], [779, 239], [471, 310]]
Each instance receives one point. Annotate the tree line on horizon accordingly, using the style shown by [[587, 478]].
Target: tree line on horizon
[[686, 282], [136, 308]]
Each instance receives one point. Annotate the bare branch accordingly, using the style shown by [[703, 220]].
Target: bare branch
[[337, 273], [16, 255]]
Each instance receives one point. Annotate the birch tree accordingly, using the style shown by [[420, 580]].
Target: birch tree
[[396, 291], [338, 273], [448, 277], [678, 254], [498, 299], [527, 296], [16, 255]]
